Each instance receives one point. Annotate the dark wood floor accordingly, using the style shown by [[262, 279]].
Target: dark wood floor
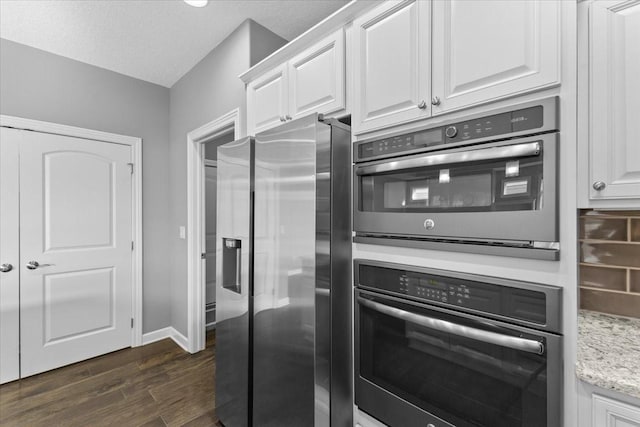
[[155, 385]]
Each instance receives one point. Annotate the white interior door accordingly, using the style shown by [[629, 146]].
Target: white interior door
[[9, 257], [211, 187], [76, 222]]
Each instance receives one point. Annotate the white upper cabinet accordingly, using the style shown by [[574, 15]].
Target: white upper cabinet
[[317, 78], [485, 50], [313, 81], [392, 69], [267, 100], [614, 102]]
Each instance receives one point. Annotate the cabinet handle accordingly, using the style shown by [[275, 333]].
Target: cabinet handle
[[422, 105], [5, 268], [288, 117], [282, 119], [435, 100], [599, 185]]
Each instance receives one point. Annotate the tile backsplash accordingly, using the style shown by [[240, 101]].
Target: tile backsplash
[[610, 261]]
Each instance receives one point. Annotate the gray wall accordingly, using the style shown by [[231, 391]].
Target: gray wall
[[38, 85], [263, 43], [212, 88]]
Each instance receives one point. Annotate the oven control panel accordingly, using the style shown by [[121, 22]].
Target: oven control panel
[[457, 292], [497, 126]]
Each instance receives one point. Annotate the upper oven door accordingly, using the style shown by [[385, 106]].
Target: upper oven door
[[416, 364], [499, 192]]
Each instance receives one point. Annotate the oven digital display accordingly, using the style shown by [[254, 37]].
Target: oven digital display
[[434, 284]]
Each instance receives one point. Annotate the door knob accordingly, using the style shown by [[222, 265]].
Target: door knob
[[5, 268], [435, 100], [32, 265], [422, 105], [599, 185]]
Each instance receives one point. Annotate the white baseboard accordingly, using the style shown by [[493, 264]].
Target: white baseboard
[[168, 332], [180, 339]]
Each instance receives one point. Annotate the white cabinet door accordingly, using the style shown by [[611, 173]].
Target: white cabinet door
[[614, 84], [316, 78], [611, 413], [9, 256], [267, 100], [76, 222], [483, 50], [392, 69]]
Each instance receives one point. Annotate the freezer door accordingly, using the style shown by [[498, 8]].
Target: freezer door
[[284, 356], [233, 251]]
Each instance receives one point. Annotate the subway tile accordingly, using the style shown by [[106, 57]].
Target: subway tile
[[603, 228], [610, 302], [587, 212], [615, 254], [634, 281], [603, 277], [635, 230]]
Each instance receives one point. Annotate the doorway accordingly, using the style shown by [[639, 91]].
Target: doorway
[[202, 144], [211, 199]]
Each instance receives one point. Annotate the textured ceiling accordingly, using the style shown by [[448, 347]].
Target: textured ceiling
[[153, 40]]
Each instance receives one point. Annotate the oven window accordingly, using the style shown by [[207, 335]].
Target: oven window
[[463, 381], [493, 185]]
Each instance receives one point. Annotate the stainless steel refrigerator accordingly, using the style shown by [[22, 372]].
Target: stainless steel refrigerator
[[283, 287]]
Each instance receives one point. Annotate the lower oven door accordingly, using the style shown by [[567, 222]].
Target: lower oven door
[[418, 365]]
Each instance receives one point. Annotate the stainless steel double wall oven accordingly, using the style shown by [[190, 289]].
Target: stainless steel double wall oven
[[435, 348], [486, 184]]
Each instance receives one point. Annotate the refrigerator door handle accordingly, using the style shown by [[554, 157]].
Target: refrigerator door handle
[[231, 264]]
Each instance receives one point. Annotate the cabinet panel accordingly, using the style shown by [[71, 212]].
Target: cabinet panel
[[267, 100], [611, 413], [614, 61], [392, 69], [488, 50], [316, 78]]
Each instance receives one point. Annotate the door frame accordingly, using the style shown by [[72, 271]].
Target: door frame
[[195, 222], [136, 196]]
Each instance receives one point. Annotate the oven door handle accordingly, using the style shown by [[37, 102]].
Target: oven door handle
[[530, 346], [466, 156]]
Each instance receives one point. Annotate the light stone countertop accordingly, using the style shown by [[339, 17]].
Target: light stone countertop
[[609, 352]]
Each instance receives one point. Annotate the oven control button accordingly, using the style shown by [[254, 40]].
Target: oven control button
[[429, 224], [451, 131]]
